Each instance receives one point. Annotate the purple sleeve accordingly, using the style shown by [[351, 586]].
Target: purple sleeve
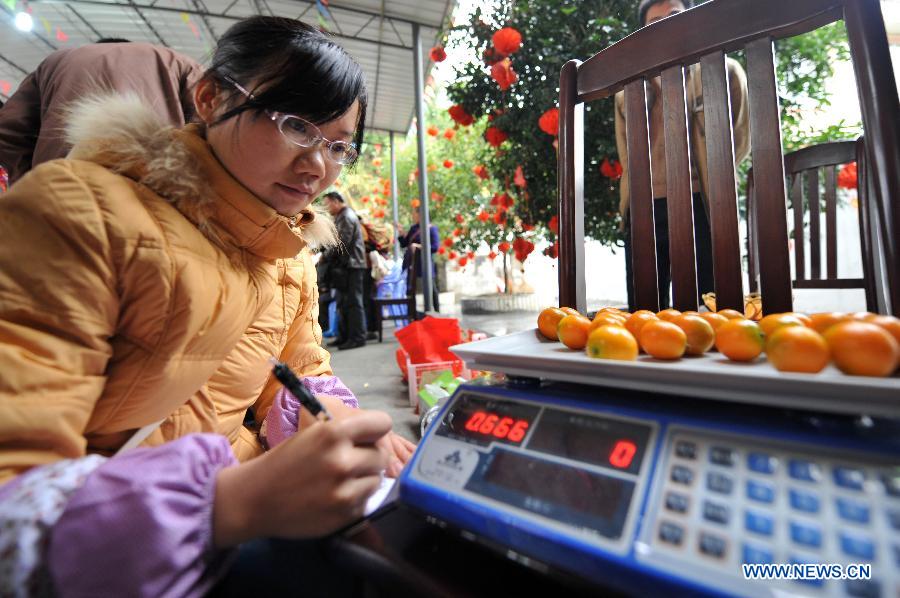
[[434, 237], [141, 525], [283, 418]]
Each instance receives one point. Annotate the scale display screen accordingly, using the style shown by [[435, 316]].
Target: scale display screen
[[484, 421]]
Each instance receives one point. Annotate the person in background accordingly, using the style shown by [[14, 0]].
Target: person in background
[[413, 238], [165, 267], [347, 272], [33, 121], [650, 11]]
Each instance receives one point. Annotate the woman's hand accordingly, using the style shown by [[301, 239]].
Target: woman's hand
[[310, 485]]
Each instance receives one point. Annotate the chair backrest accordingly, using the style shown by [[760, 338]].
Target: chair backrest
[[805, 168], [411, 272], [704, 34]]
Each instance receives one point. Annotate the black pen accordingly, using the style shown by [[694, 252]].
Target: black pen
[[290, 381]]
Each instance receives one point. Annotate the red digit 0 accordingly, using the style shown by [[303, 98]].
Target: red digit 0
[[518, 430], [475, 420], [488, 426], [622, 454]]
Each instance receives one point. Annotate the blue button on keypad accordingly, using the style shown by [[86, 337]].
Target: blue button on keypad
[[720, 483], [807, 502], [849, 477], [853, 510], [806, 534], [759, 523], [862, 588], [894, 518], [757, 555], [715, 512], [760, 491], [858, 546], [806, 471], [762, 463], [682, 475]]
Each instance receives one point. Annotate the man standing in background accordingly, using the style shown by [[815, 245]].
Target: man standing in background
[[347, 270], [650, 11], [33, 120]]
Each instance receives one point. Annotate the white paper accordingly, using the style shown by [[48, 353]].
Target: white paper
[[381, 495]]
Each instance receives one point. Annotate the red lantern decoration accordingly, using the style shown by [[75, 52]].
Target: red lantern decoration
[[415, 204], [365, 199], [448, 163], [549, 122], [449, 133], [433, 131], [522, 248], [451, 255], [483, 216], [491, 56], [471, 255], [493, 254], [481, 172], [500, 217], [552, 251], [503, 246], [611, 169], [435, 196], [441, 250], [432, 167], [553, 225], [503, 73], [847, 176], [519, 177], [460, 116], [438, 54], [495, 136], [448, 242], [507, 40], [463, 261]]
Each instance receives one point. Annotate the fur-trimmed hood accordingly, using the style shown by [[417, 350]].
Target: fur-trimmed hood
[[125, 136]]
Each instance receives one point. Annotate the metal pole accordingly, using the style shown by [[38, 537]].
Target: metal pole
[[424, 223], [394, 200]]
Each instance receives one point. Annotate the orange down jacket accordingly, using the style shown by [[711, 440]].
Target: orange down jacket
[[140, 281]]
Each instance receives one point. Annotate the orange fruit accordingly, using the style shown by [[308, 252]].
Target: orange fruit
[[690, 312], [548, 320], [700, 334], [611, 314], [807, 321], [889, 323], [715, 320], [731, 314], [637, 321], [573, 331], [862, 316], [823, 321], [797, 349], [571, 311], [606, 319], [863, 349], [739, 339], [668, 314], [612, 342], [772, 322], [663, 340]]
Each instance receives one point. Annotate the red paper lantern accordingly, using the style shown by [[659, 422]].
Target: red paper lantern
[[847, 176], [448, 242], [504, 74], [415, 204], [470, 255], [438, 54], [493, 254], [553, 225], [483, 216], [449, 133], [507, 40], [611, 169], [433, 131], [460, 219], [519, 177], [481, 172], [495, 136], [503, 246], [460, 116], [451, 255], [549, 122], [441, 250], [448, 163], [463, 261]]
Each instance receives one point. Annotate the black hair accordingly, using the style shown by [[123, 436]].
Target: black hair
[[289, 67], [645, 5], [113, 40], [335, 196]]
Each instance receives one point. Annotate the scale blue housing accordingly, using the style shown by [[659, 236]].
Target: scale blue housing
[[626, 572]]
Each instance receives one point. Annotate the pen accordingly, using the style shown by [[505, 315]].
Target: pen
[[290, 381]]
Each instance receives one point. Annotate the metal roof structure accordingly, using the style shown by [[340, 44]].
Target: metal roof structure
[[379, 34]]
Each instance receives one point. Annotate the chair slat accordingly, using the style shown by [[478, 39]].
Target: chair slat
[[799, 234], [831, 238], [752, 251], [865, 226], [572, 292], [768, 165], [815, 221], [679, 195], [643, 238], [723, 216]]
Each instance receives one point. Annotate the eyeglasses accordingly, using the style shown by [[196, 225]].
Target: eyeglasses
[[303, 133]]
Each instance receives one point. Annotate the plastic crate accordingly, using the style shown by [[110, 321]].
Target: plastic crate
[[421, 374]]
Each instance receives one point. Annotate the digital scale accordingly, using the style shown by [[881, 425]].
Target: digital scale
[[601, 475]]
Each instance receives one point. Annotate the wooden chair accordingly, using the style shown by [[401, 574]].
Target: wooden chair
[[704, 34], [801, 166], [409, 300]]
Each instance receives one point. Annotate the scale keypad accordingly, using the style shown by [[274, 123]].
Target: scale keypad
[[726, 502]]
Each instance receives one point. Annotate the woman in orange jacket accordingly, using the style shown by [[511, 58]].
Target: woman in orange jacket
[[148, 277]]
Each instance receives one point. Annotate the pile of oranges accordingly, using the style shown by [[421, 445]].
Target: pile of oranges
[[861, 344]]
